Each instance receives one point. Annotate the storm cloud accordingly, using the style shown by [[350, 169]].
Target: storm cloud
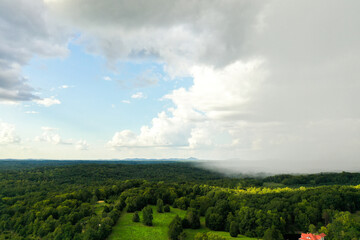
[[273, 81]]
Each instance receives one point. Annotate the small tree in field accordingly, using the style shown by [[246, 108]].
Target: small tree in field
[[147, 216], [167, 208], [136, 217], [234, 229], [160, 206], [175, 228]]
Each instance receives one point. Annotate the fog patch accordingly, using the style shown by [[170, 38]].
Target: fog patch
[[260, 168]]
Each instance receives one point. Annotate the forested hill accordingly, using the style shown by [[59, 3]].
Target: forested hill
[[159, 170], [99, 172], [62, 201], [343, 178], [15, 164]]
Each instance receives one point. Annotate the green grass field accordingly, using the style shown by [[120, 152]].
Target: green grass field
[[99, 207], [125, 229]]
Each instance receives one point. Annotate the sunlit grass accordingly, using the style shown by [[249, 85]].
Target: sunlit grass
[[99, 207], [126, 229]]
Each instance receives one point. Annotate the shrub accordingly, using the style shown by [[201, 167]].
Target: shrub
[[136, 217]]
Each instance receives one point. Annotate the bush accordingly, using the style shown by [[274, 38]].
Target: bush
[[167, 208], [136, 217], [185, 223], [175, 228], [193, 218], [234, 229], [147, 216], [208, 236], [160, 206]]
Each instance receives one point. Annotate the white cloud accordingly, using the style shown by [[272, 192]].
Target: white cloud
[[166, 131], [31, 112], [125, 101], [221, 93], [65, 86], [204, 111], [125, 138], [200, 137], [138, 95], [47, 102], [51, 135], [7, 134], [9, 103], [82, 145], [107, 78]]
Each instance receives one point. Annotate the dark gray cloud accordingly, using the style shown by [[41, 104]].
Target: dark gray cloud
[[25, 31], [14, 87], [180, 33]]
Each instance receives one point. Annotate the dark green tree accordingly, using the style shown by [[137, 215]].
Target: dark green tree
[[312, 228], [193, 218], [136, 217], [185, 223], [147, 215], [230, 218], [160, 206], [214, 221], [273, 234], [167, 208], [234, 229], [175, 228], [344, 226]]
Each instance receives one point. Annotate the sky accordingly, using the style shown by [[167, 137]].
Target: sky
[[246, 80]]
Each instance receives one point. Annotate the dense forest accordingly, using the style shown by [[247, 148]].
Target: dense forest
[[57, 200]]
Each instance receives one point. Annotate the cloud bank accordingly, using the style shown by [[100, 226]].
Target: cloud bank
[[271, 80], [269, 83], [7, 134]]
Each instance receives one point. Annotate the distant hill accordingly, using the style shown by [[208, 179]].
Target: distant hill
[[17, 164]]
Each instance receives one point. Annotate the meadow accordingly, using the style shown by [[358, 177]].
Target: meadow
[[126, 229]]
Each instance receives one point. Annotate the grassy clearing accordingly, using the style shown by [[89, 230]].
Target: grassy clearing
[[99, 207], [190, 233], [125, 229]]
